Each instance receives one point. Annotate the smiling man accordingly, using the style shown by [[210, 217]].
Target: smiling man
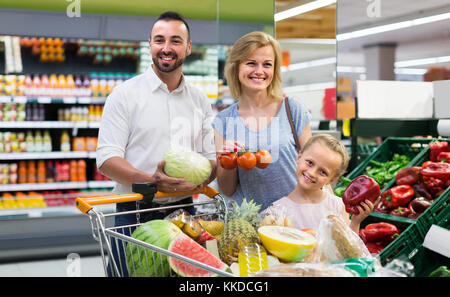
[[146, 115]]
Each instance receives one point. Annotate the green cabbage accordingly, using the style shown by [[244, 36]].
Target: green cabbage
[[184, 163]]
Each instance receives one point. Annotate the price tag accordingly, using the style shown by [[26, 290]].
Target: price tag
[[44, 100], [69, 100]]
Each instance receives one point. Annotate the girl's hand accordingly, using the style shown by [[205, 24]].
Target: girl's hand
[[365, 208]]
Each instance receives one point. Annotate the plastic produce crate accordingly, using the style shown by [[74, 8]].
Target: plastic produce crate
[[414, 148], [418, 161], [409, 245]]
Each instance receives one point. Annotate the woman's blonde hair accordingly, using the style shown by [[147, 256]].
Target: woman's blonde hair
[[334, 145], [241, 50]]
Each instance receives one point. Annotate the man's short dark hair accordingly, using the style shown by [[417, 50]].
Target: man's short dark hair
[[174, 16]]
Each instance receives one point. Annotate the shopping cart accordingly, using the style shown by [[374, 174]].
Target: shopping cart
[[148, 259]]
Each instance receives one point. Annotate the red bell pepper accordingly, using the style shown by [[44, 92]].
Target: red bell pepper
[[437, 170], [419, 205], [421, 191], [408, 176], [444, 157], [401, 212], [360, 189], [379, 231], [436, 148], [374, 247], [381, 208], [397, 196]]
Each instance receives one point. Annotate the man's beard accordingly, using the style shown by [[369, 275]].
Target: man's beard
[[166, 68]]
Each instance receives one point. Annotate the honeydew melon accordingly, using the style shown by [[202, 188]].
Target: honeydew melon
[[286, 243]]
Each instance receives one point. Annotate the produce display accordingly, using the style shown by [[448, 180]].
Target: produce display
[[418, 186], [384, 172], [183, 163], [377, 236]]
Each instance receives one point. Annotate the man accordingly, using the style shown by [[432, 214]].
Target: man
[[151, 112]]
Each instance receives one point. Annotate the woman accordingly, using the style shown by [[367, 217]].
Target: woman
[[259, 121]]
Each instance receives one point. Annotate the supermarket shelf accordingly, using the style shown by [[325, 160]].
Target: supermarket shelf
[[49, 211], [49, 125], [51, 100], [47, 155], [56, 186]]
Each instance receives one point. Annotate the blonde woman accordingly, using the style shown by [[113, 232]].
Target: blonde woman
[[258, 120]]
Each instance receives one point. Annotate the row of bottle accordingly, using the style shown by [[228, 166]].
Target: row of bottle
[[93, 85], [51, 171], [47, 172], [19, 142], [91, 113]]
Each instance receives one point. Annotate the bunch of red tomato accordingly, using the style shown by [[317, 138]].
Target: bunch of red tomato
[[246, 160]]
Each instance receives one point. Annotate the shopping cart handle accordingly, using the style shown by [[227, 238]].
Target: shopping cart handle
[[85, 204]]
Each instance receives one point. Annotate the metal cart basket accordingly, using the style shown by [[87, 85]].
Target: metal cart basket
[[123, 255]]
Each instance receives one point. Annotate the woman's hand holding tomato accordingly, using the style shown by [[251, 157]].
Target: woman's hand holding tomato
[[246, 160]]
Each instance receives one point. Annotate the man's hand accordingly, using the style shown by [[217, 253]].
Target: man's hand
[[166, 183]]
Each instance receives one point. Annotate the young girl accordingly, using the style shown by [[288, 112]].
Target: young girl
[[322, 160]]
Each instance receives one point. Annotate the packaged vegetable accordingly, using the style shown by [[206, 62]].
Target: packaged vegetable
[[306, 269], [186, 222], [336, 241], [276, 215]]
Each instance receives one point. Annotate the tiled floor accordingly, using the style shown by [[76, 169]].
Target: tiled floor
[[88, 266]]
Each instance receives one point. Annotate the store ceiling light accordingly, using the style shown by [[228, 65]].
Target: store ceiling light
[[426, 61], [392, 27], [310, 87], [303, 8], [309, 64]]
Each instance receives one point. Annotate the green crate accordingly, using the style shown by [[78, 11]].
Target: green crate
[[418, 161], [412, 147], [409, 245]]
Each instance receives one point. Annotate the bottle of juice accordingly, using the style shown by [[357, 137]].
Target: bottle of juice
[[73, 171], [252, 258], [29, 139], [22, 172], [38, 141], [87, 86], [65, 142], [47, 142], [70, 85], [49, 172], [31, 172], [78, 91], [36, 87], [98, 113], [65, 170], [62, 85], [53, 85], [41, 178], [45, 85], [81, 170], [91, 113]]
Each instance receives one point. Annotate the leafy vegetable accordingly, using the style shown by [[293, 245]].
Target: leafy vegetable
[[184, 163]]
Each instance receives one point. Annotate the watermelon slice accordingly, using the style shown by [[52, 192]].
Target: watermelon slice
[[186, 246]]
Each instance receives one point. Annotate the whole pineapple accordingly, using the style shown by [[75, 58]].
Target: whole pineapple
[[239, 230]]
